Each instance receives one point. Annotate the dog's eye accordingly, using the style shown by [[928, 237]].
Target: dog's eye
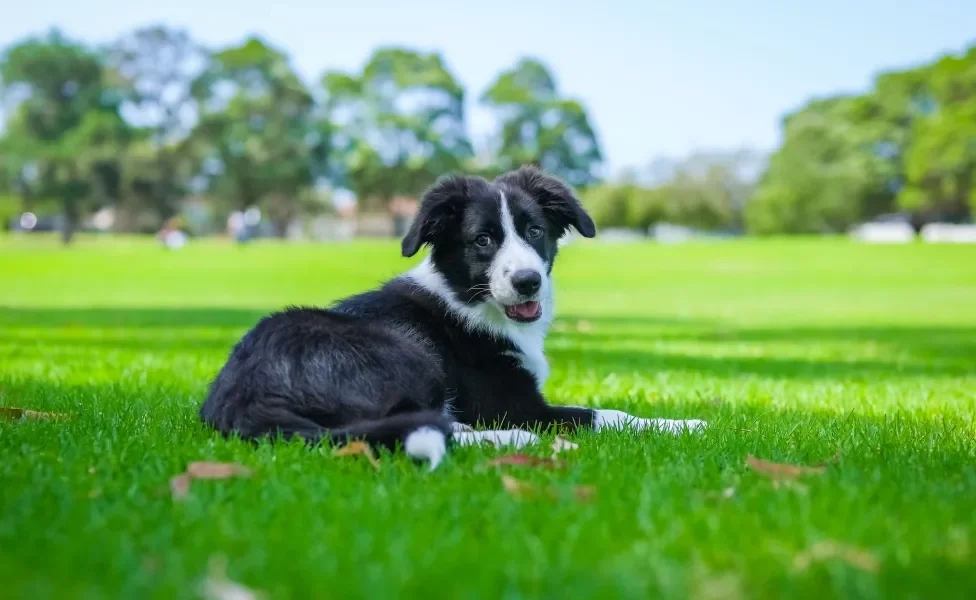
[[483, 240], [534, 232]]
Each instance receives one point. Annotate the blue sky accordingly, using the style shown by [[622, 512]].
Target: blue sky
[[659, 78]]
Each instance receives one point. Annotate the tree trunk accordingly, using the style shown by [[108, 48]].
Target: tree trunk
[[70, 224], [281, 228]]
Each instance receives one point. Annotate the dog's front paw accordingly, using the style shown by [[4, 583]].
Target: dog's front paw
[[496, 437], [616, 419]]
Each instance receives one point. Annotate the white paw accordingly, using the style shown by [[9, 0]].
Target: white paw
[[616, 419], [459, 427], [496, 437], [426, 443]]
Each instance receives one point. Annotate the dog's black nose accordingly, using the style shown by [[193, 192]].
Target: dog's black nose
[[526, 281]]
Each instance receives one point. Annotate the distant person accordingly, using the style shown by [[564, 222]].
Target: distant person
[[236, 228], [172, 235]]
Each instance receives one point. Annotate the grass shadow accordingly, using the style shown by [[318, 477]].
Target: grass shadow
[[905, 351]]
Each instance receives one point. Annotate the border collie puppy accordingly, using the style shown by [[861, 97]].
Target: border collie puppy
[[454, 343]]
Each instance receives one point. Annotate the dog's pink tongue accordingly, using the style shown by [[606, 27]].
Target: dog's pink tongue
[[526, 310]]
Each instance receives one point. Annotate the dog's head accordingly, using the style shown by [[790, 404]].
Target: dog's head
[[495, 242]]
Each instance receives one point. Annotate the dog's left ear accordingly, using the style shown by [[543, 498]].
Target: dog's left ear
[[558, 202], [442, 205]]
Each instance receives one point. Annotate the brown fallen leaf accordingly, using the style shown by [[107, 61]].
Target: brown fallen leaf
[[781, 470], [17, 414], [522, 489], [584, 493], [830, 549], [179, 486], [517, 487], [212, 470], [562, 445], [358, 448], [526, 461]]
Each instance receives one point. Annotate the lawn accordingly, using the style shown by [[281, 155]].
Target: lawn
[[802, 352]]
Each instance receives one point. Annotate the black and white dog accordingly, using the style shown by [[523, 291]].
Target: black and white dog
[[455, 342]]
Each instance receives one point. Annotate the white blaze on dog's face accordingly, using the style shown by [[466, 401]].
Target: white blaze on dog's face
[[518, 277], [494, 243]]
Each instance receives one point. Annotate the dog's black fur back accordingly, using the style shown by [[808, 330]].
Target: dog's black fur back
[[284, 377]]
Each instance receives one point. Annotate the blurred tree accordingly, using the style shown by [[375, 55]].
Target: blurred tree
[[828, 174], [908, 145], [706, 190], [260, 131], [158, 66], [400, 125], [540, 127], [940, 160], [709, 190], [65, 133], [613, 206]]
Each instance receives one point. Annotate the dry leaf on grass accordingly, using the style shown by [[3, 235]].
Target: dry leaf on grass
[[517, 487], [523, 489], [218, 587], [562, 445], [782, 470], [210, 470], [525, 461], [826, 550], [584, 493], [358, 448], [179, 485], [17, 414]]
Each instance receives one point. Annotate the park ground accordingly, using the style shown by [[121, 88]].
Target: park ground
[[856, 361]]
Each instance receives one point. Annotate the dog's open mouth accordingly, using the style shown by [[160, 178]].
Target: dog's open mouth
[[525, 312]]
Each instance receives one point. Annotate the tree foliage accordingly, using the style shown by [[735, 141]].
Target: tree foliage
[[399, 124], [258, 129], [66, 133], [707, 190], [538, 126], [155, 118], [908, 145]]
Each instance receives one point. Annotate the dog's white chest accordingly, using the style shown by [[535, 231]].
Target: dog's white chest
[[531, 356], [536, 364]]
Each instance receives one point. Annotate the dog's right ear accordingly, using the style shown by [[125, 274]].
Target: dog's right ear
[[441, 207]]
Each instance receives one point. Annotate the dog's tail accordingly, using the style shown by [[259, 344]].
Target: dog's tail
[[423, 435]]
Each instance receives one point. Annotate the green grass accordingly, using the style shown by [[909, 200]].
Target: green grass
[[793, 350]]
